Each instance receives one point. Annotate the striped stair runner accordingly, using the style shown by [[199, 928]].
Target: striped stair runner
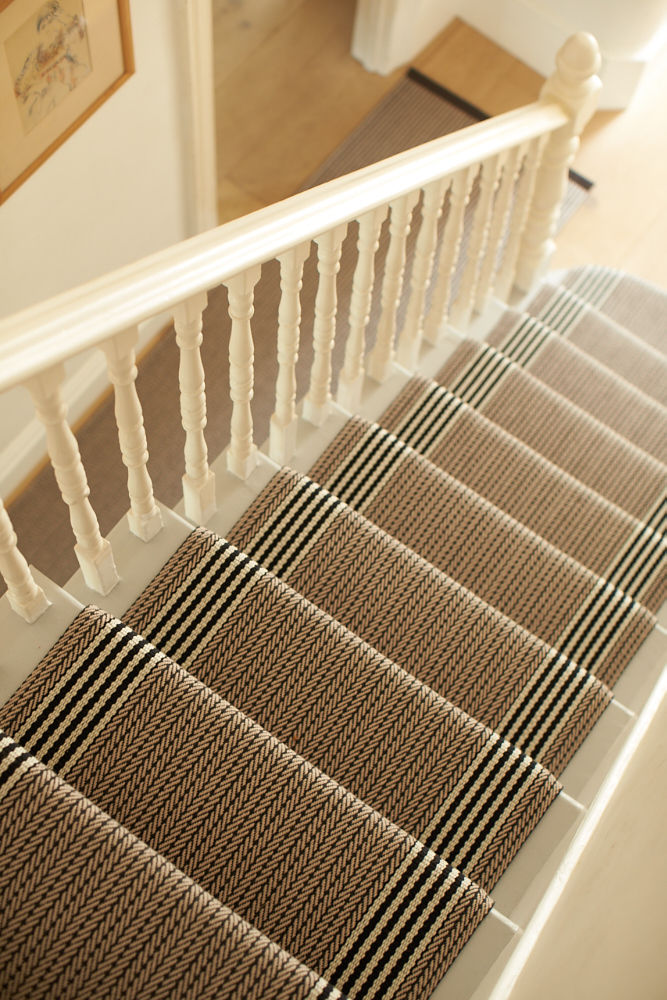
[[331, 881], [493, 555], [128, 923], [570, 371], [458, 438], [559, 430], [613, 345], [335, 700], [410, 611], [635, 304]]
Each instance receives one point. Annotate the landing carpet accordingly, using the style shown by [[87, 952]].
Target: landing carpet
[[333, 699], [559, 430], [602, 338], [599, 535], [433, 627], [500, 560], [332, 882], [88, 910]]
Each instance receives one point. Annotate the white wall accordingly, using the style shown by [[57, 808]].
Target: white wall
[[119, 188], [389, 33]]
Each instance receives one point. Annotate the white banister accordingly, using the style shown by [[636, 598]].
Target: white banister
[[465, 300], [198, 480], [25, 597], [282, 439], [242, 451], [498, 227], [144, 517], [576, 86], [524, 194], [410, 337], [381, 356], [459, 197], [93, 552], [51, 332], [318, 398], [352, 374]]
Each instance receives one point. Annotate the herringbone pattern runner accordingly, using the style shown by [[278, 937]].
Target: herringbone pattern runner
[[374, 728], [635, 304], [88, 910], [342, 889], [507, 565], [559, 430], [602, 338], [555, 505], [571, 372], [414, 614]]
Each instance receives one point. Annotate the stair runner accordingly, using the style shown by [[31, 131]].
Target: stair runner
[[320, 795], [305, 862], [128, 922]]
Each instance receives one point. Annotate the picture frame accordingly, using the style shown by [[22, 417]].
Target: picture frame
[[59, 61]]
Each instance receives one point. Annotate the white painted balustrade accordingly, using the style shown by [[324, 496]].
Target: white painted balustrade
[[92, 551], [144, 517], [26, 598], [316, 404], [523, 157], [282, 443], [352, 375], [410, 339], [198, 480], [381, 356]]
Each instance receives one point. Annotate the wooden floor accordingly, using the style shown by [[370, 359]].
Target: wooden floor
[[288, 91]]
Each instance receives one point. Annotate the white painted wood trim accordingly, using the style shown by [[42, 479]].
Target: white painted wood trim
[[198, 29]]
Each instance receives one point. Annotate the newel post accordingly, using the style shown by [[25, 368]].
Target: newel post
[[576, 86]]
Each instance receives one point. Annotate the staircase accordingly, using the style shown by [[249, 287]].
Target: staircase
[[397, 671]]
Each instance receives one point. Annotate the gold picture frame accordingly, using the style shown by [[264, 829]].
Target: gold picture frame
[[59, 61]]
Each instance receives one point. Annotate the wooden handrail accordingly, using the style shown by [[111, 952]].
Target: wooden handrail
[[53, 331]]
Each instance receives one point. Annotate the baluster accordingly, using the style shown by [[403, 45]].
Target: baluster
[[282, 440], [317, 401], [25, 597], [575, 86], [498, 227], [93, 552], [459, 197], [242, 451], [381, 357], [524, 194], [352, 374], [144, 517], [463, 306], [199, 480], [409, 341]]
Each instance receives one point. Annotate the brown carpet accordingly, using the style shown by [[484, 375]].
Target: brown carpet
[[612, 345], [320, 873], [583, 380], [89, 910], [557, 429], [411, 612], [637, 305], [466, 444], [369, 725]]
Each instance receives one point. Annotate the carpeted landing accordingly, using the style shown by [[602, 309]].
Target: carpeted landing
[[300, 763]]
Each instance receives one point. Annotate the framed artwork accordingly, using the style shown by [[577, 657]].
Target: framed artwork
[[59, 61]]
